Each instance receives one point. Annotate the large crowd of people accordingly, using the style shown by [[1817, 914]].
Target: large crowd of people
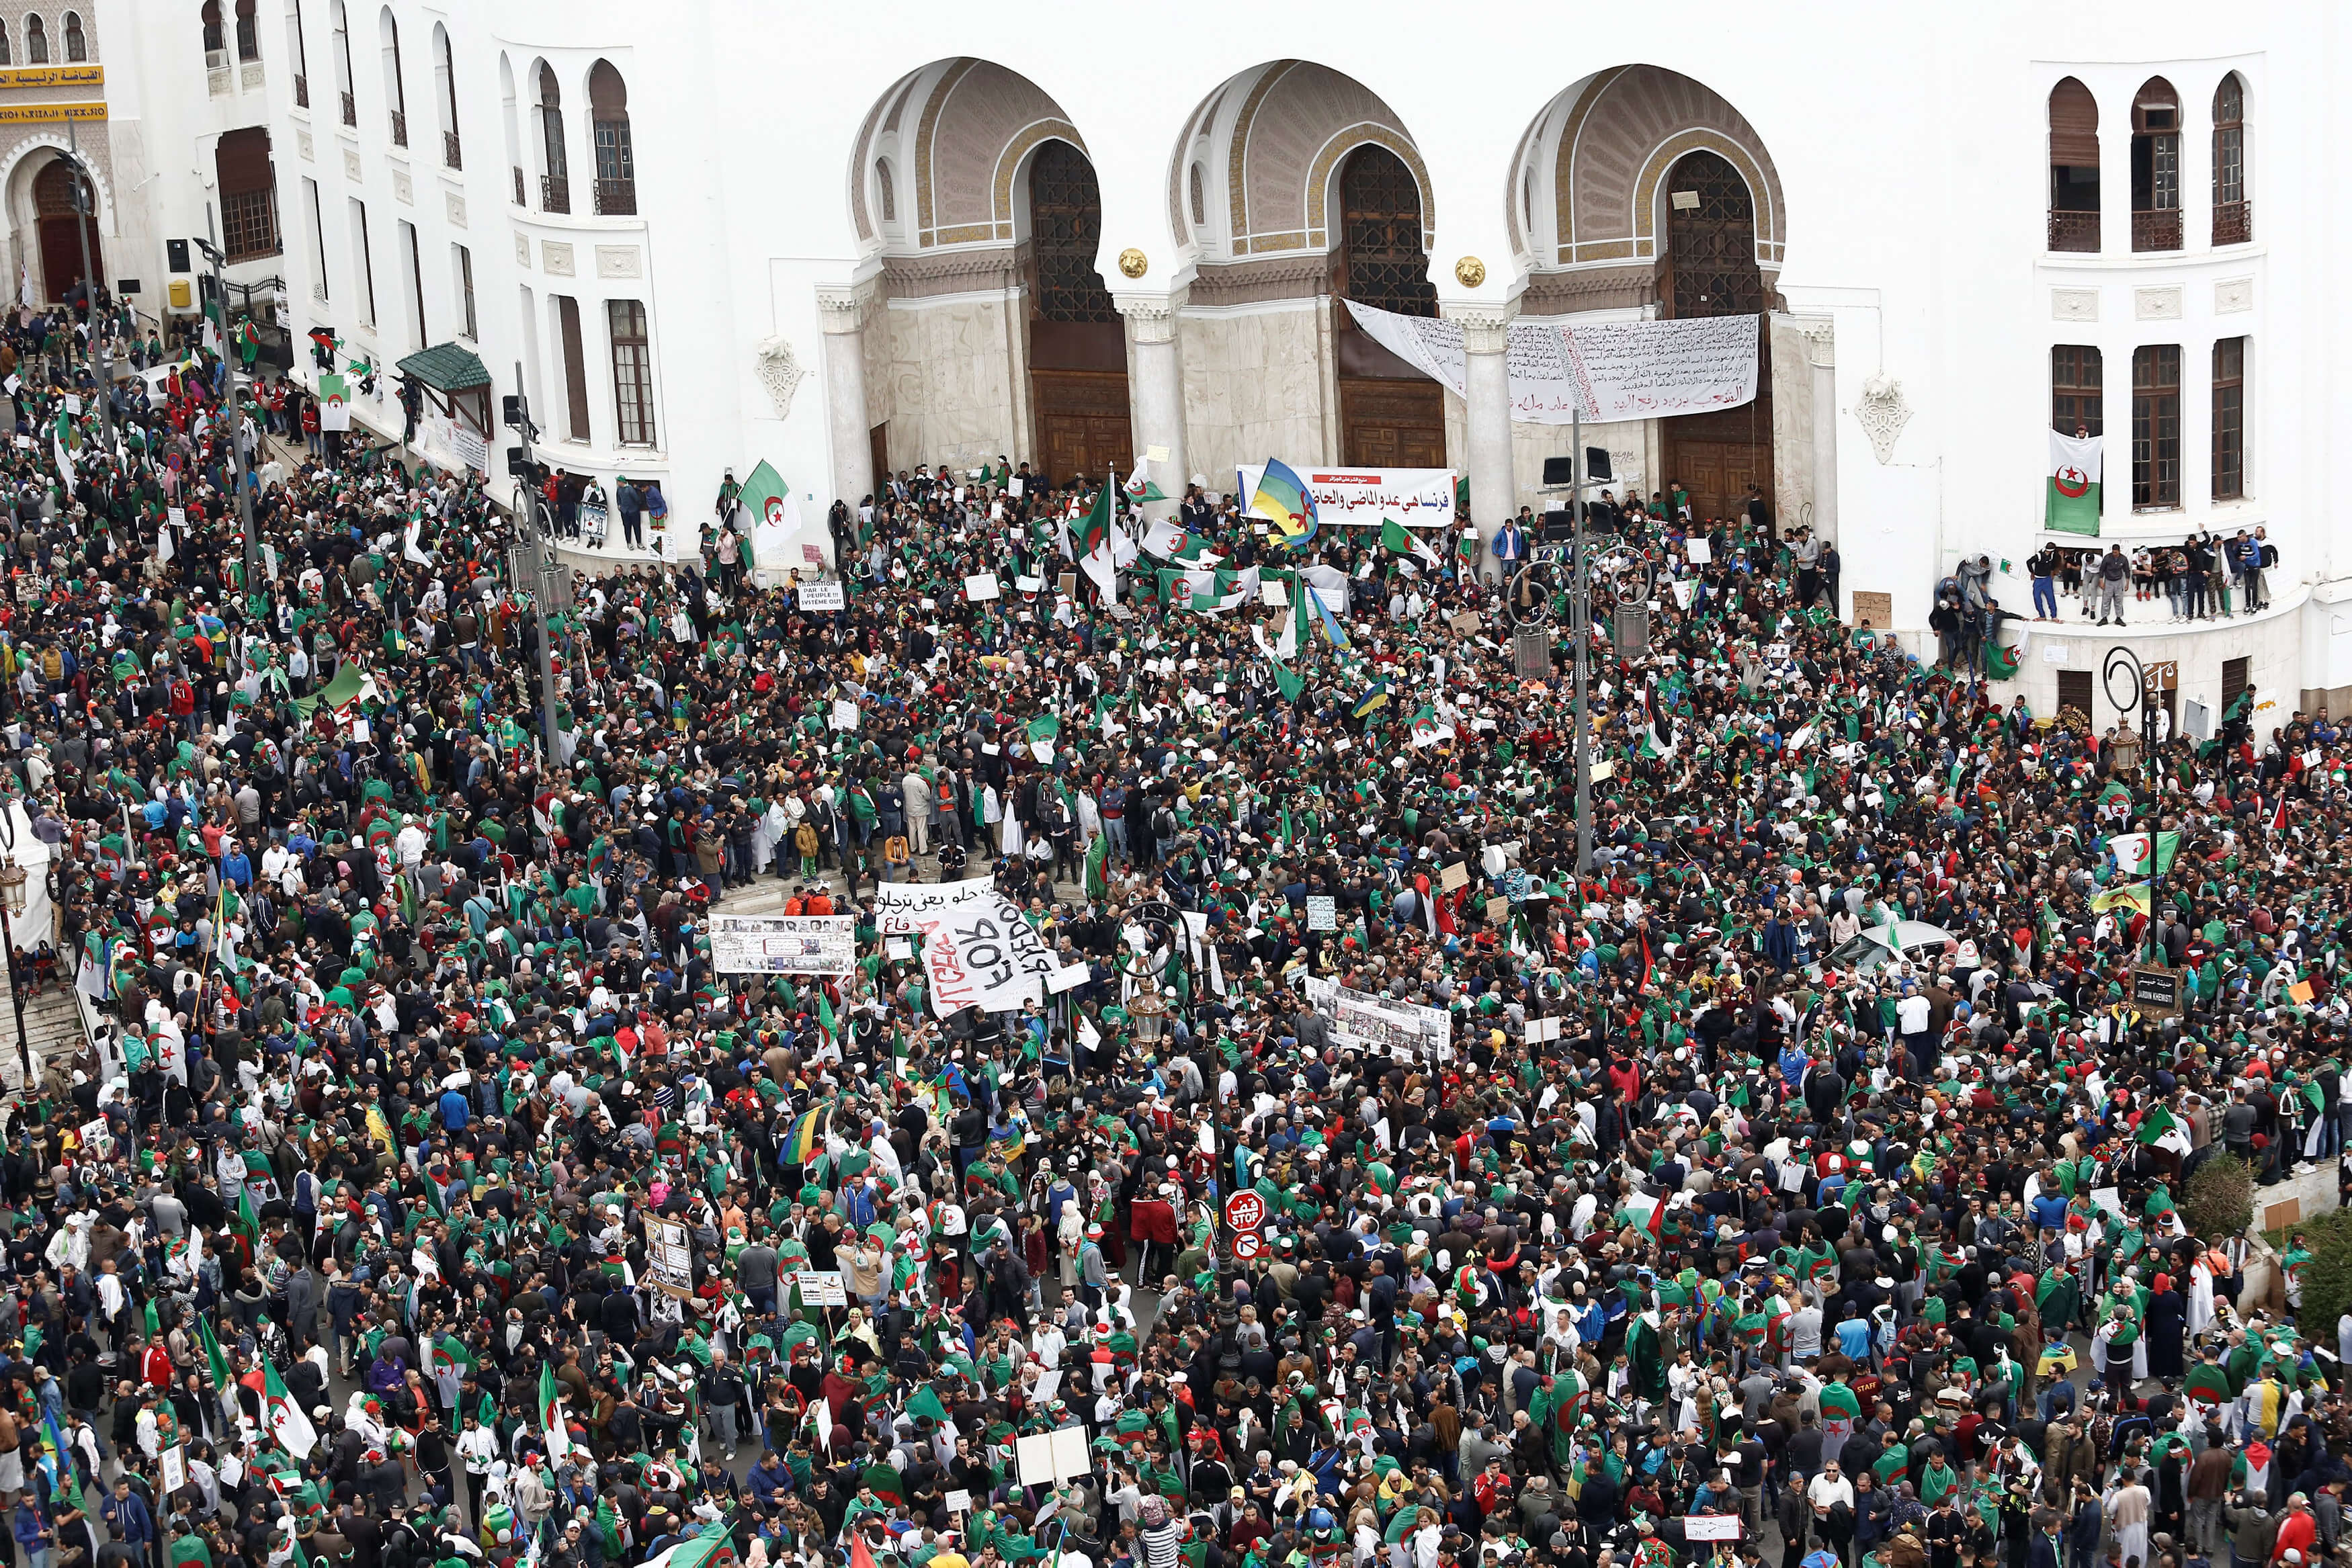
[[1802, 1178]]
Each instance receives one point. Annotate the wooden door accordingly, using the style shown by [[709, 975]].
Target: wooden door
[[879, 440], [1391, 424], [1082, 423], [61, 255]]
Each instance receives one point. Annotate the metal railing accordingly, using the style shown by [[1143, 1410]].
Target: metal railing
[[450, 156], [399, 129], [554, 194], [617, 198], [2233, 223], [301, 93], [351, 112], [2073, 231], [2160, 229]]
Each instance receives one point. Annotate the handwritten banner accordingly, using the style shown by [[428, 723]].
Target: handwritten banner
[[1417, 498], [1613, 370]]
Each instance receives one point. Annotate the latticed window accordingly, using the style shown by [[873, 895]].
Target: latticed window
[[633, 371], [1066, 231], [2155, 426], [2228, 418], [2233, 220], [249, 224], [1380, 217], [1711, 239], [2076, 377]]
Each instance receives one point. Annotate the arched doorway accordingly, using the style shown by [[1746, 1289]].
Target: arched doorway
[[1709, 268], [53, 205], [1390, 416], [1077, 346]]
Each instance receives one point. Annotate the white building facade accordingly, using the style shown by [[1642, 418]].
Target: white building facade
[[842, 241]]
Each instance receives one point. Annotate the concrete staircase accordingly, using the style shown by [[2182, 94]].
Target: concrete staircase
[[52, 1028]]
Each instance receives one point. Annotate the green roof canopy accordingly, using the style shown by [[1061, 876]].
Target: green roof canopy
[[446, 367]]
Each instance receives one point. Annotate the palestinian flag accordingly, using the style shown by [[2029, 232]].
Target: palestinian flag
[[2208, 1384]]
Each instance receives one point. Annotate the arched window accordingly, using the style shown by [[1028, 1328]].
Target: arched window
[[5, 57], [2074, 167], [2156, 167], [248, 34], [555, 179], [36, 41], [1711, 239], [2233, 215], [887, 190], [616, 161], [1527, 205], [1065, 230], [1385, 266], [395, 94], [510, 122], [343, 78], [298, 51], [1199, 198], [445, 95], [215, 33]]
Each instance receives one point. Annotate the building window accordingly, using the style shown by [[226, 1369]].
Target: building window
[[555, 183], [1199, 199], [396, 89], [36, 41], [575, 366], [2076, 378], [2074, 167], [248, 193], [2156, 167], [318, 236], [2233, 215], [78, 44], [466, 291], [1065, 230], [1379, 206], [633, 371], [2229, 419], [249, 33], [2156, 426], [365, 266], [416, 260], [216, 33], [5, 57], [889, 191], [616, 159]]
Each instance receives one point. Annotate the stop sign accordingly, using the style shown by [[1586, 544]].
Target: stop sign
[[1245, 1210], [1248, 1245]]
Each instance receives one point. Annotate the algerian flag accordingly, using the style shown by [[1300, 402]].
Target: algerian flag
[[2073, 504], [1140, 488], [551, 1415], [1396, 536], [1428, 729], [1094, 548], [283, 1417], [2130, 851], [2160, 1129]]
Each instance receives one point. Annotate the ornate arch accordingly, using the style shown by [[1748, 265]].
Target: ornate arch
[[978, 122], [1298, 119], [861, 156], [1008, 164], [1625, 129], [16, 177]]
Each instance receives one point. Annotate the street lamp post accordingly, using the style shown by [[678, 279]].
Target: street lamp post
[[539, 547], [2131, 688], [83, 211], [214, 255]]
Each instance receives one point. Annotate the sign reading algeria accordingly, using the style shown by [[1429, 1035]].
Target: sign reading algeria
[[1245, 1210]]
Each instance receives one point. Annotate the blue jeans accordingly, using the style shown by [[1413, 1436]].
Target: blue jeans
[[2045, 598]]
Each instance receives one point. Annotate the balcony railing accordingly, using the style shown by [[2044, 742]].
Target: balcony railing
[[450, 157], [2157, 230], [617, 198], [351, 112], [399, 129], [2233, 223], [554, 194], [301, 93], [2073, 231]]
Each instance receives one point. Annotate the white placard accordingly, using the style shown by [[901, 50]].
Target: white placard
[[783, 944], [844, 714], [820, 1288], [2054, 652], [824, 596], [1068, 978], [1364, 498], [175, 1469], [1710, 1527], [1155, 454], [1322, 913], [176, 516], [1700, 550], [898, 949], [981, 586], [960, 1502]]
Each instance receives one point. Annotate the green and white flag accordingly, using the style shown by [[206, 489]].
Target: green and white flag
[[2073, 502], [551, 1415], [2131, 849], [1396, 536]]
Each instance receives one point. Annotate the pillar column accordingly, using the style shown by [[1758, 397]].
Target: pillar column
[[1821, 353], [1155, 392], [848, 427], [1486, 343]]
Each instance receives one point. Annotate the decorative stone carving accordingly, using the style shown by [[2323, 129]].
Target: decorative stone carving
[[2156, 304], [1152, 319], [456, 202], [839, 310], [2233, 294], [350, 164], [781, 372], [1470, 272], [1133, 262], [522, 250], [1486, 329], [250, 76], [620, 261], [404, 189], [306, 147], [1882, 414], [555, 258], [2073, 305], [1821, 343]]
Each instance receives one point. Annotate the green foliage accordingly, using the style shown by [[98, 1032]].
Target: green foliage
[[2327, 1278], [2219, 1200]]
